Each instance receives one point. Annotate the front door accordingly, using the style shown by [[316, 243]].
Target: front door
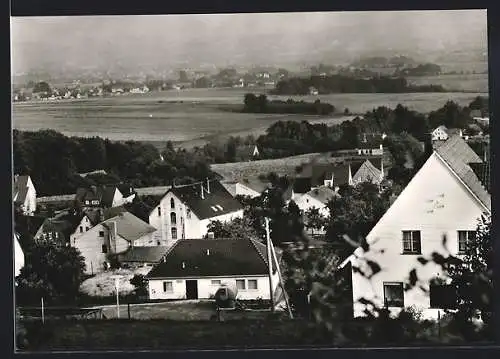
[[191, 289]]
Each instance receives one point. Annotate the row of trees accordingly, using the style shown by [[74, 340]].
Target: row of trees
[[54, 161], [347, 84], [260, 104]]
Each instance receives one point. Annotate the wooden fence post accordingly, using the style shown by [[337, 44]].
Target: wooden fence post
[[128, 309]]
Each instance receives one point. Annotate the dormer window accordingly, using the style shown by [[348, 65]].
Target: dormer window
[[214, 208], [219, 207]]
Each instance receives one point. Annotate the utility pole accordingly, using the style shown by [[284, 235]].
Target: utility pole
[[275, 257], [43, 312], [117, 287], [269, 264]]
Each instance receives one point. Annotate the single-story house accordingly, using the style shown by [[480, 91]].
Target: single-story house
[[196, 268], [24, 194]]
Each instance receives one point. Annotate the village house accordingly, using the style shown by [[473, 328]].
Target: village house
[[196, 268], [104, 196], [371, 144], [445, 199], [316, 198], [252, 187], [142, 256], [113, 236], [24, 195], [18, 255], [442, 133], [186, 212], [336, 175]]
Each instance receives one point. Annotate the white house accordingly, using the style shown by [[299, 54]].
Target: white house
[[18, 255], [186, 212], [246, 187], [196, 268], [24, 194], [316, 198], [445, 198], [112, 236], [440, 133], [104, 197]]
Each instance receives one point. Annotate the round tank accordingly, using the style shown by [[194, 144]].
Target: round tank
[[225, 296]]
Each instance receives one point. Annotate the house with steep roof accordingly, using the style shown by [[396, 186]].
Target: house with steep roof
[[316, 198], [444, 199], [196, 268], [252, 187], [24, 195], [18, 255], [103, 197], [186, 212], [113, 236]]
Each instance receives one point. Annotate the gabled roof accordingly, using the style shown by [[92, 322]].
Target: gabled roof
[[256, 184], [104, 194], [28, 224], [458, 156], [442, 128], [216, 203], [94, 215], [226, 257], [367, 172], [129, 226], [322, 194], [144, 254], [20, 188]]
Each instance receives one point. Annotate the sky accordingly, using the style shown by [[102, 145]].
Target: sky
[[168, 40]]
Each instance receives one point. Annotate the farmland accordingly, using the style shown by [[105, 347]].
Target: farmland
[[197, 114]]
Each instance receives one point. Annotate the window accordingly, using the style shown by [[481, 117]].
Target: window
[[87, 202], [81, 229], [159, 211], [393, 294], [86, 229], [411, 242], [173, 218], [172, 203], [158, 243], [240, 284], [168, 287], [101, 233], [465, 237], [104, 248], [188, 213], [174, 233], [252, 284], [215, 282]]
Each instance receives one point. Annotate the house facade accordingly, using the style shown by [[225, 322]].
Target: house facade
[[112, 236], [186, 212], [103, 197], [444, 200], [196, 268], [24, 194], [18, 255], [315, 198]]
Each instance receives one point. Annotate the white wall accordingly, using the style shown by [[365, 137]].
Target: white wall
[[306, 202], [18, 256], [148, 240], [85, 226], [90, 246], [434, 186], [439, 134], [206, 290], [188, 225]]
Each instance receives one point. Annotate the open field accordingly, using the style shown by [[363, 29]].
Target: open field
[[472, 83], [281, 166], [191, 115]]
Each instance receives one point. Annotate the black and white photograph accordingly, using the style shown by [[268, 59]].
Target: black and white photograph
[[251, 181]]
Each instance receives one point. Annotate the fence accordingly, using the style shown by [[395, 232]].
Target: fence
[[49, 313]]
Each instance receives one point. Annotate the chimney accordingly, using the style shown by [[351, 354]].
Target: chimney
[[201, 191], [208, 185], [210, 235]]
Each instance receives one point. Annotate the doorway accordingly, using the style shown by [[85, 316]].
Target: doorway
[[191, 289]]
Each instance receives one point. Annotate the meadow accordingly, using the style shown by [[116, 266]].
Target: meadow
[[195, 115]]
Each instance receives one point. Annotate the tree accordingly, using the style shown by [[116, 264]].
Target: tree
[[140, 283], [52, 272], [473, 276], [314, 219], [42, 87], [238, 228]]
